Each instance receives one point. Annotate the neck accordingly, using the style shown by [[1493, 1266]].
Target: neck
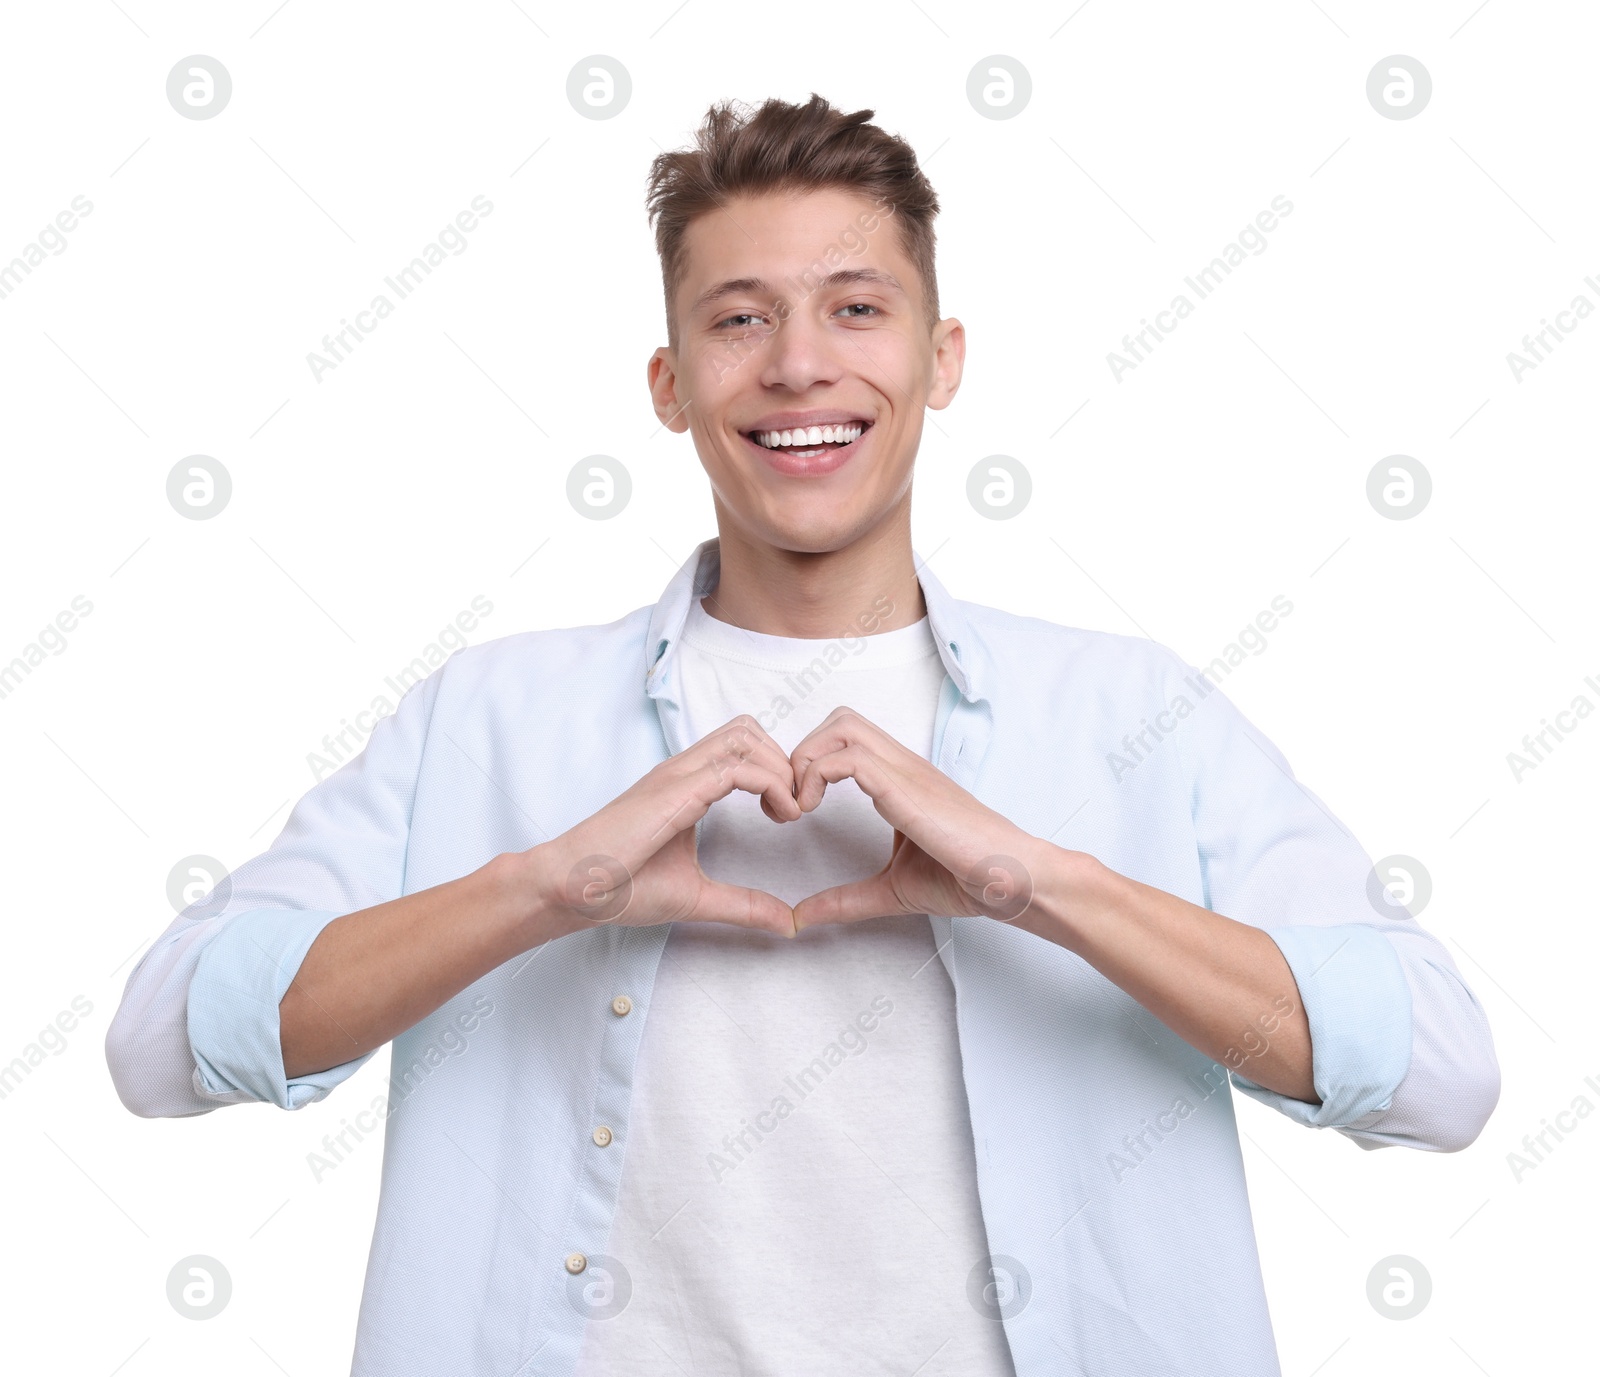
[[867, 587]]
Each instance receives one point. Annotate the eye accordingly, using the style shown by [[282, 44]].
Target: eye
[[739, 321], [860, 306]]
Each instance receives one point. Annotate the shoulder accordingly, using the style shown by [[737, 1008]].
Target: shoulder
[[568, 659], [1021, 647]]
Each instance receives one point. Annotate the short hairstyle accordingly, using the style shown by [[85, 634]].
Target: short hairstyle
[[784, 147]]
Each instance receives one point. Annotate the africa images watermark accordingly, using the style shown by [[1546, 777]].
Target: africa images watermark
[[52, 1039], [52, 637], [850, 242], [451, 1040], [1537, 746], [1138, 746], [51, 239], [338, 346], [851, 1041], [338, 747], [1139, 1146], [805, 681], [1141, 344], [1566, 1121], [1538, 346]]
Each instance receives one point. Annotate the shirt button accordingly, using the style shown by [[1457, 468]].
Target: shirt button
[[602, 1136], [621, 1005], [576, 1263]]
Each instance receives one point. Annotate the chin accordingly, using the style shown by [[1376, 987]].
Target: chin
[[822, 536]]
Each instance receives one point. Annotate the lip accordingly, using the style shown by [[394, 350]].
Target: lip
[[791, 420], [830, 461]]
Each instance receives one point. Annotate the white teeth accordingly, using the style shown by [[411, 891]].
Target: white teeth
[[813, 435]]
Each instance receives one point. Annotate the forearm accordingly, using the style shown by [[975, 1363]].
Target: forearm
[[372, 974], [1221, 985]]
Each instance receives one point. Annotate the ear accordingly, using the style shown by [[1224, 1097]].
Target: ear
[[661, 373], [949, 356]]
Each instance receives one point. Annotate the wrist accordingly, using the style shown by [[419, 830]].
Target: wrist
[[1069, 889], [531, 895]]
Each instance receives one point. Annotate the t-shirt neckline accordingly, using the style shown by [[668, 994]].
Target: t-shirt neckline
[[861, 650]]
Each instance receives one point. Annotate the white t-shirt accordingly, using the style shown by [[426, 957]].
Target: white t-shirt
[[799, 1195]]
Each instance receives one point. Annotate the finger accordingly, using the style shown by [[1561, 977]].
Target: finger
[[743, 737], [775, 789], [850, 903], [722, 752], [857, 762], [903, 798], [647, 819], [842, 727], [706, 787], [746, 908], [836, 731]]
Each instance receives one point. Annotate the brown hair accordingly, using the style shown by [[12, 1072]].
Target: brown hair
[[782, 147]]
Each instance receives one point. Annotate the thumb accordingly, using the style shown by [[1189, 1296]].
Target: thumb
[[745, 908], [870, 898]]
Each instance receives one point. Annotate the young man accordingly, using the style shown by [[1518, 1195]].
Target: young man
[[812, 972]]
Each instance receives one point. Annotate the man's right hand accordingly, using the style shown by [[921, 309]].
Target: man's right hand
[[634, 863], [371, 974]]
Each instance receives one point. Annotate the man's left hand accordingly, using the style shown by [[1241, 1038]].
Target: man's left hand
[[951, 856]]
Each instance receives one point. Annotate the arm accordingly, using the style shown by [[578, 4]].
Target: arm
[[372, 974], [1373, 1032], [375, 973], [1224, 987], [309, 957], [1401, 1049], [197, 1026]]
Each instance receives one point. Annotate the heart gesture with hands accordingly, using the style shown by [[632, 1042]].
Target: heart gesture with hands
[[952, 856], [634, 862]]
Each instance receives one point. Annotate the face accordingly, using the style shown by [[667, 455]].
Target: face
[[803, 364]]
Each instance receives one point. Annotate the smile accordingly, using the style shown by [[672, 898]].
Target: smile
[[813, 450]]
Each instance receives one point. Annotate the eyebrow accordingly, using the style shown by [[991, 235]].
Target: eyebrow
[[737, 286]]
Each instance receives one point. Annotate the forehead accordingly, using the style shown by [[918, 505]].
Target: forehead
[[781, 232]]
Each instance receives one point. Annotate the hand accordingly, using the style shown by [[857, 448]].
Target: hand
[[1200, 973], [951, 855], [634, 862]]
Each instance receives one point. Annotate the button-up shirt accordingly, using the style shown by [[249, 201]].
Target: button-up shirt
[[1108, 1163]]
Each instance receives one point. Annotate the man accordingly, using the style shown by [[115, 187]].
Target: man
[[812, 972]]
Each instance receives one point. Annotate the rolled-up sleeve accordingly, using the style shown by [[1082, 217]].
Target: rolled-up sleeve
[[197, 1026], [1400, 1046], [1358, 1006], [234, 994]]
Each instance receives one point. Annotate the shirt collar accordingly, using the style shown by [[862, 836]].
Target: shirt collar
[[959, 647]]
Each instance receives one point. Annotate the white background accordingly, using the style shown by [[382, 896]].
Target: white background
[[369, 508]]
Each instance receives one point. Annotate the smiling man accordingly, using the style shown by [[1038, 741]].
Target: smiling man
[[779, 981]]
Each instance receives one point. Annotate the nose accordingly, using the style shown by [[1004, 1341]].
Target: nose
[[799, 354]]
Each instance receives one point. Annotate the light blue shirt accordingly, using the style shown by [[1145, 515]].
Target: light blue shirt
[[1109, 1171]]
